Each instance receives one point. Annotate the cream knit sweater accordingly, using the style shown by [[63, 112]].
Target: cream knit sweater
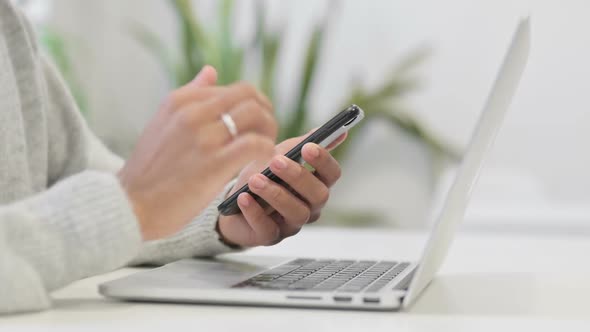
[[63, 214]]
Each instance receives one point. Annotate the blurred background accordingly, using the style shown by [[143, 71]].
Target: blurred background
[[421, 69]]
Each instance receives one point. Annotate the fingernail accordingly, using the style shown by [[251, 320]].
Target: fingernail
[[279, 163], [314, 150], [258, 183], [244, 201], [206, 76], [197, 79]]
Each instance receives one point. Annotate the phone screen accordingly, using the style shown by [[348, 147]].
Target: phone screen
[[325, 135]]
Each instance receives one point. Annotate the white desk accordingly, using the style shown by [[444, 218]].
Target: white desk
[[490, 282]]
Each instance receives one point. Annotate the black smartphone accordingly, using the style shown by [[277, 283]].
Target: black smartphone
[[324, 136]]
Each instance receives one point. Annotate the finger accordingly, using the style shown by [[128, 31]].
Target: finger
[[326, 167], [200, 88], [315, 216], [232, 97], [206, 77], [248, 116], [285, 229], [295, 212], [301, 180], [286, 145], [265, 230], [238, 92], [219, 97], [190, 95], [243, 150]]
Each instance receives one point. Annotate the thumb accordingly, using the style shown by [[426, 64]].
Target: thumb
[[206, 77]]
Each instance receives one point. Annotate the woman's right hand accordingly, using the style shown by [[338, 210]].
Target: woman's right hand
[[186, 155]]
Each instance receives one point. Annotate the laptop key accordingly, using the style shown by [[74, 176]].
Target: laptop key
[[326, 275], [377, 286]]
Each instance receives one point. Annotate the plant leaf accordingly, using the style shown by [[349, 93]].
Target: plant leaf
[[227, 55], [191, 35], [57, 48], [413, 128], [260, 20], [270, 49], [237, 64], [266, 45], [381, 102], [398, 83], [411, 60], [299, 118], [156, 48]]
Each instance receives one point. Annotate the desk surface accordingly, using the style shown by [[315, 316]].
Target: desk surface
[[489, 282]]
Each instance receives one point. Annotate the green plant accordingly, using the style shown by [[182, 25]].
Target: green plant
[[383, 104], [58, 49], [200, 46]]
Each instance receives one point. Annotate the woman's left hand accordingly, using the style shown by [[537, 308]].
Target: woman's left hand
[[289, 209]]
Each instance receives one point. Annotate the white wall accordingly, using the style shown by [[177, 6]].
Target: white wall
[[546, 136]]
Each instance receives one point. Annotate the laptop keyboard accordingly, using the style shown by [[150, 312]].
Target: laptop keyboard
[[327, 275]]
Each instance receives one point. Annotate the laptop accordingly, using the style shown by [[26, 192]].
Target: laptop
[[331, 283]]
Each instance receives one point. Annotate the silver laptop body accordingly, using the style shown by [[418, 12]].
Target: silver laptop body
[[345, 284]]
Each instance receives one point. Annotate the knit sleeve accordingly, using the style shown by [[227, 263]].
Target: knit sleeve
[[82, 226], [198, 239]]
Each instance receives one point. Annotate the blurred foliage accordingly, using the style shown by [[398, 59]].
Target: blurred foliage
[[215, 46], [385, 104], [57, 48]]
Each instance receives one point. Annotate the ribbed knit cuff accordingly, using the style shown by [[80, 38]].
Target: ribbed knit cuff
[[89, 228], [198, 239]]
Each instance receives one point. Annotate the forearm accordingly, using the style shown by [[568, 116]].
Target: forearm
[[82, 226]]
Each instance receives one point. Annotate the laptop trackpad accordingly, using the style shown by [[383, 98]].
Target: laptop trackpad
[[221, 272]]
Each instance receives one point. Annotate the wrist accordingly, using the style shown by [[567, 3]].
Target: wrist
[[137, 208], [223, 239]]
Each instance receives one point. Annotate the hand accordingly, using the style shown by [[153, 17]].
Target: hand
[[186, 154], [289, 209]]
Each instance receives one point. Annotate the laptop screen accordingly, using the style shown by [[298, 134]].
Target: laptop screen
[[451, 212]]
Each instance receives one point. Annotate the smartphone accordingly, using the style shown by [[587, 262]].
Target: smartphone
[[324, 136]]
